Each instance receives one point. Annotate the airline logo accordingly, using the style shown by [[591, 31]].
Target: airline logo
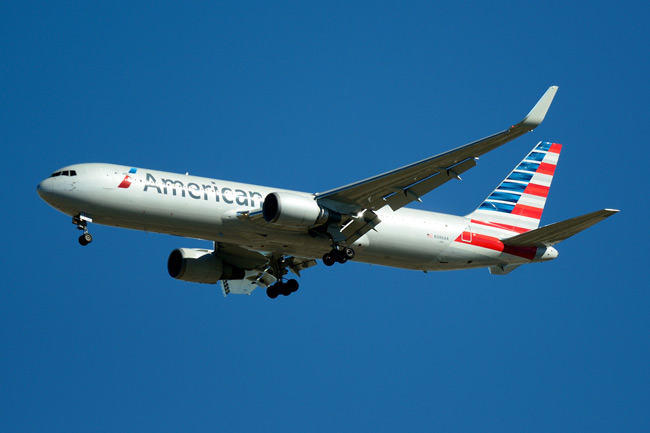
[[524, 192], [517, 203], [127, 179]]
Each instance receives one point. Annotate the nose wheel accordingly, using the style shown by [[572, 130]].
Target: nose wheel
[[81, 221], [85, 239]]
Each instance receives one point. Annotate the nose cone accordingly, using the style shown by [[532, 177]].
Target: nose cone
[[49, 192], [550, 254], [44, 189]]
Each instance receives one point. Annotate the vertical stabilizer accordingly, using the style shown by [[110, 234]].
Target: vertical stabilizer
[[518, 202]]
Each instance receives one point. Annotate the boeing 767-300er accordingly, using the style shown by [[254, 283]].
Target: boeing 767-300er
[[262, 233]]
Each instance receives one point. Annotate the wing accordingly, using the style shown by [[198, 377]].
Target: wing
[[401, 186], [356, 203]]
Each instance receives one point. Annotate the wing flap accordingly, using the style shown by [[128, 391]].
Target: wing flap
[[237, 287], [297, 264], [557, 232], [359, 226], [417, 190]]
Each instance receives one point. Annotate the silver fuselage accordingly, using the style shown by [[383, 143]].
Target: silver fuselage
[[204, 208]]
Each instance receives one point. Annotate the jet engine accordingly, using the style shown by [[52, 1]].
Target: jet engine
[[293, 210], [200, 266]]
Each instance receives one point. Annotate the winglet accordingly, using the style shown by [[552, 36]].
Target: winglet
[[537, 114]]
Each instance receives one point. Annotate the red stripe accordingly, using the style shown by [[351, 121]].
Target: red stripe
[[546, 168], [502, 226], [527, 211], [492, 243], [525, 252], [538, 190], [555, 148]]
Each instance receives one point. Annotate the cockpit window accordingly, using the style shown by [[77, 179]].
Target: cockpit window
[[64, 173]]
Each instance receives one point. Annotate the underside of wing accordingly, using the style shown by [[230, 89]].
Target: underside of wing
[[241, 257], [261, 269]]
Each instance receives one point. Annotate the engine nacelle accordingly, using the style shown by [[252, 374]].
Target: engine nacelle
[[200, 266], [293, 210]]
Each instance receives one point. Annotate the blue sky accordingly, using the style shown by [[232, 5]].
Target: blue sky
[[311, 97]]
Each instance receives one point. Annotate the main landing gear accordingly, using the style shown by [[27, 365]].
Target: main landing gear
[[338, 255], [82, 221], [282, 288]]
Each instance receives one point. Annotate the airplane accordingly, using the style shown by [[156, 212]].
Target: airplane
[[261, 233]]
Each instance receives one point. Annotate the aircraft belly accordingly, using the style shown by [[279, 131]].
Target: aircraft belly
[[459, 255]]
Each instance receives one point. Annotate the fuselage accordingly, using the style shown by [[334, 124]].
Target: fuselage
[[211, 209]]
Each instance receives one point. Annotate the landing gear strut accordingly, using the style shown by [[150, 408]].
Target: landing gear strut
[[282, 288], [338, 255], [81, 222]]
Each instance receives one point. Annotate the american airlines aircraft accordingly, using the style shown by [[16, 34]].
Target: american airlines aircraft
[[262, 233]]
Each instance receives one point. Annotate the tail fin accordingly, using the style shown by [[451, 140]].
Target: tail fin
[[518, 202]]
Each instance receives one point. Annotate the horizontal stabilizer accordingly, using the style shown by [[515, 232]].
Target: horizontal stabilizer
[[553, 233]]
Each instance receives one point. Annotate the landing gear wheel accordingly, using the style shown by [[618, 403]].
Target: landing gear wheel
[[85, 239], [328, 259], [272, 292], [341, 259], [81, 221], [284, 289], [292, 285], [348, 253]]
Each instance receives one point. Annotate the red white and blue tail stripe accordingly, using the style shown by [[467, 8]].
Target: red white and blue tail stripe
[[518, 202]]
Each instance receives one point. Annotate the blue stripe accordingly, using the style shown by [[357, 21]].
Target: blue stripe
[[528, 166], [133, 170], [516, 175], [505, 196], [511, 186], [498, 207], [544, 146], [535, 156]]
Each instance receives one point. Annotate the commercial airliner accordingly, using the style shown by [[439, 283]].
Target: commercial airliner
[[262, 233]]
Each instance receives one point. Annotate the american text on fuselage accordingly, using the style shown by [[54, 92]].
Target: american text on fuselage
[[202, 191]]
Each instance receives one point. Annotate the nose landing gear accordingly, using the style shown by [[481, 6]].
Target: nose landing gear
[[81, 221], [85, 239]]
